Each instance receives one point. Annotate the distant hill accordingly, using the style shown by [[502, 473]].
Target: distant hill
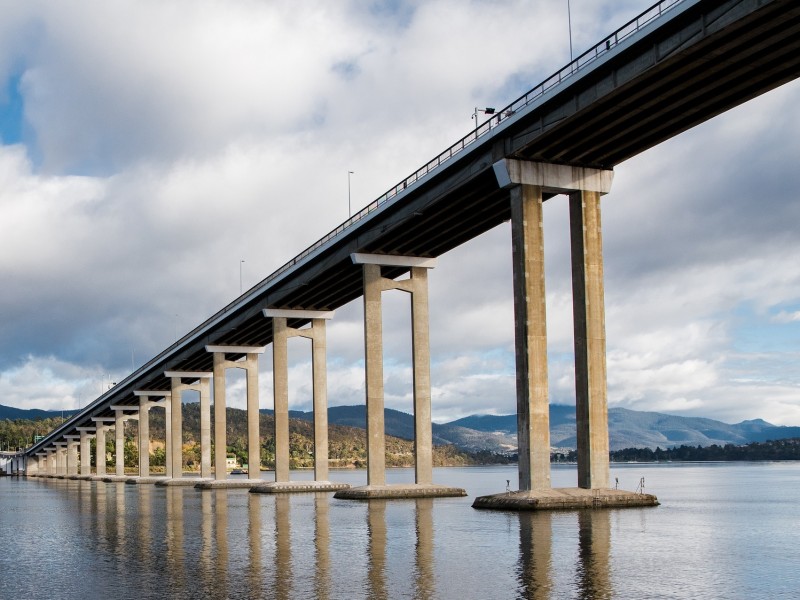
[[638, 429], [498, 433], [9, 412]]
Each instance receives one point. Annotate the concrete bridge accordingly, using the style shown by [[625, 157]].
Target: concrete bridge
[[676, 65]]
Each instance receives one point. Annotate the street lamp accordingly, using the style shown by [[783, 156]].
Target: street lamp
[[349, 210], [241, 262], [487, 111]]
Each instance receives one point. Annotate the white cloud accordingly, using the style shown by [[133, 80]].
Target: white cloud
[[179, 138]]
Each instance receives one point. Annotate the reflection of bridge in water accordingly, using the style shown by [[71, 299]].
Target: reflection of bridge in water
[[678, 64]]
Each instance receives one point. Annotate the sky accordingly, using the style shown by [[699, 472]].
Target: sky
[[156, 156]]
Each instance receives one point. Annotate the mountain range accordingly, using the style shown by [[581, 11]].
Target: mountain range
[[498, 433], [627, 429]]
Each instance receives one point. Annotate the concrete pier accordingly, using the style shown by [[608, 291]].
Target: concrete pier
[[417, 286], [564, 499], [199, 382], [529, 184], [316, 333], [223, 361], [147, 400], [590, 339]]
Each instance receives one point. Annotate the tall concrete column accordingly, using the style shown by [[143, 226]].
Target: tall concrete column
[[316, 333], [249, 363], [144, 436], [530, 332], [417, 286], [280, 374], [373, 364], [590, 340], [168, 436], [199, 382], [119, 443], [86, 451], [147, 400], [421, 357], [530, 183], [100, 445], [61, 458], [72, 455]]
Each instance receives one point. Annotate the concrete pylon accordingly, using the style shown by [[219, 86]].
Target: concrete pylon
[[72, 455], [147, 400], [281, 332], [530, 329], [530, 183], [416, 285], [183, 381], [61, 458], [590, 340], [102, 425], [86, 433], [248, 361]]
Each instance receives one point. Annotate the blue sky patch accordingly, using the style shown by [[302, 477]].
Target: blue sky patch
[[11, 112]]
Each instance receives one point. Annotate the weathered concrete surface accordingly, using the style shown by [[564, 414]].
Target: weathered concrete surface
[[115, 478], [410, 490], [564, 498], [181, 481], [143, 480], [288, 487], [229, 484]]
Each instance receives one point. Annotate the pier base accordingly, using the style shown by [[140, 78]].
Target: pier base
[[288, 487], [564, 499], [229, 484], [115, 478], [145, 480], [181, 481], [398, 491]]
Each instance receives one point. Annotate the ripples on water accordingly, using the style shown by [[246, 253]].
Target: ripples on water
[[723, 531]]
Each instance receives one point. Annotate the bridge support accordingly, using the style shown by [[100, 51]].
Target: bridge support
[[147, 400], [281, 332], [417, 286], [72, 455], [102, 426], [86, 434], [530, 183], [183, 381], [248, 362]]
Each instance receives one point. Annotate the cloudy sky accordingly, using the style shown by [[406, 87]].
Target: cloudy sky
[[148, 148]]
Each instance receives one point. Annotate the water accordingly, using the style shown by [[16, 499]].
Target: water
[[722, 531]]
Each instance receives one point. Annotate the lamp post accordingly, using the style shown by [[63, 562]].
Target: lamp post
[[487, 111], [569, 25], [241, 262], [349, 210]]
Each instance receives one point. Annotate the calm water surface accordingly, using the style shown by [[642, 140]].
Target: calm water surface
[[722, 531]]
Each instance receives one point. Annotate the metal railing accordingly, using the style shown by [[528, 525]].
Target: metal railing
[[483, 129], [473, 136]]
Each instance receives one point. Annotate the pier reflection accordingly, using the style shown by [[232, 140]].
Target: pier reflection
[[283, 548], [425, 581], [376, 549], [592, 571], [175, 537], [594, 552], [322, 574]]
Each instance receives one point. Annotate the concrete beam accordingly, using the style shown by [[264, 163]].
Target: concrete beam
[[124, 407], [160, 394], [187, 374], [237, 349], [291, 313], [390, 260], [552, 178]]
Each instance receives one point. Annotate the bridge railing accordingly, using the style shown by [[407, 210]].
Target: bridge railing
[[483, 129], [587, 58]]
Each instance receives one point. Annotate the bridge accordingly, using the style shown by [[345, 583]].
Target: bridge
[[678, 64]]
